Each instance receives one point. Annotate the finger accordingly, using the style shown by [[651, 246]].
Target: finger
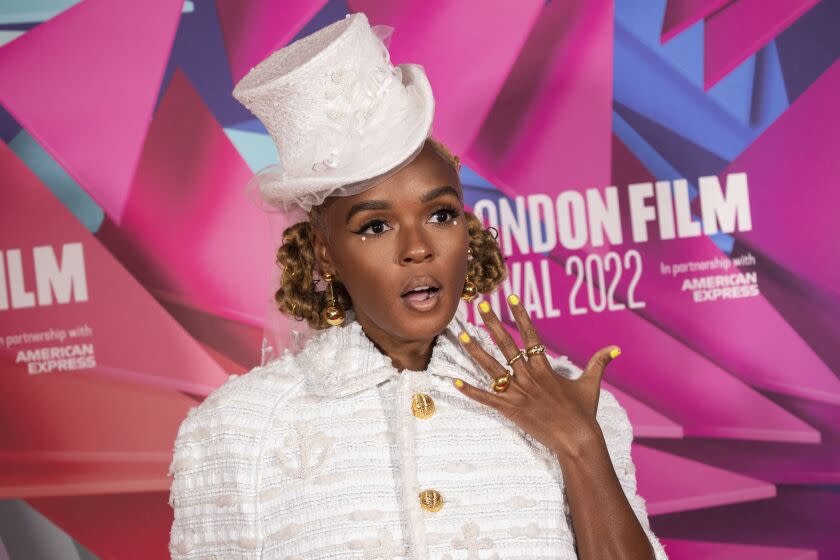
[[477, 394], [529, 334], [502, 338], [490, 364], [598, 362]]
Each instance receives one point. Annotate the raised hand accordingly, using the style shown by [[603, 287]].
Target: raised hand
[[558, 412]]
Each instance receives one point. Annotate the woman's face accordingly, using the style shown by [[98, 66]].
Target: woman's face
[[404, 233]]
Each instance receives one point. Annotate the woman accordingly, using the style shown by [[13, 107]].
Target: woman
[[399, 430]]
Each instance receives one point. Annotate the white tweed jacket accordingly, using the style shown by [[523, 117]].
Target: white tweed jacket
[[325, 455]]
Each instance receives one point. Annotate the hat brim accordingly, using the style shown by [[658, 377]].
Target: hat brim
[[282, 190]]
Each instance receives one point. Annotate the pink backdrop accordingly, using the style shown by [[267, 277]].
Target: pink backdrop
[[662, 174]]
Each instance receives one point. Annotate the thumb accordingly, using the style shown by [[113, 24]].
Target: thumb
[[598, 362]]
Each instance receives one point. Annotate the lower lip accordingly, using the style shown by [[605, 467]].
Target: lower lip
[[425, 305]]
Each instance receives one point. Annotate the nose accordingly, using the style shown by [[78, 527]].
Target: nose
[[415, 246]]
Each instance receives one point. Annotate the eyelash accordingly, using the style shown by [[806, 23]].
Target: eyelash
[[450, 211]]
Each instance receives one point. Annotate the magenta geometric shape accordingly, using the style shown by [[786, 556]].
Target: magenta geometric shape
[[126, 320], [550, 127], [736, 32], [682, 14], [780, 463], [796, 153], [797, 517], [786, 364], [84, 85], [646, 421], [696, 550], [189, 232], [670, 483], [252, 30], [467, 49]]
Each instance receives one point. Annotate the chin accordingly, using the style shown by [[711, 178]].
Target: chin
[[430, 327], [417, 324]]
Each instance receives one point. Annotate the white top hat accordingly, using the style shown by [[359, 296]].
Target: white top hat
[[342, 116]]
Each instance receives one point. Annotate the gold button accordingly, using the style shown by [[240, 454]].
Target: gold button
[[422, 405], [431, 500]]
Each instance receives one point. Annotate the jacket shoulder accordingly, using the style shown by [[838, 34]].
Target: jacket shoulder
[[241, 406], [215, 464]]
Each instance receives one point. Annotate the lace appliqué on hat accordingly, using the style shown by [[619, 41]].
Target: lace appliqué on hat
[[352, 100]]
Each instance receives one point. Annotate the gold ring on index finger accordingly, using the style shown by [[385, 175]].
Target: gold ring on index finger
[[535, 349], [517, 356]]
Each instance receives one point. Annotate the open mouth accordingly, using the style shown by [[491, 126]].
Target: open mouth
[[420, 294], [422, 298]]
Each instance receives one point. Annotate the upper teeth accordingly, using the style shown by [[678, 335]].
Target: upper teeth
[[420, 289]]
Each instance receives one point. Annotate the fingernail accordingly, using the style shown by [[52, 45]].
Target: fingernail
[[484, 306], [459, 383], [615, 352], [464, 337], [513, 299]]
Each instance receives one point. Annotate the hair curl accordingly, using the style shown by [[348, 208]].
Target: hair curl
[[298, 297]]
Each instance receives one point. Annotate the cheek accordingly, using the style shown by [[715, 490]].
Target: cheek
[[362, 265], [453, 251], [453, 265], [367, 270]]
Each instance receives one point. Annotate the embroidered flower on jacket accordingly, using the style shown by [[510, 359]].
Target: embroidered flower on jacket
[[472, 544], [305, 452]]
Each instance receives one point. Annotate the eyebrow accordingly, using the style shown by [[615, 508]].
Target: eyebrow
[[440, 191], [367, 205], [385, 205]]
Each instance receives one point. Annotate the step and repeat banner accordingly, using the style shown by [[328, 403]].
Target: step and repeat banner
[[662, 175]]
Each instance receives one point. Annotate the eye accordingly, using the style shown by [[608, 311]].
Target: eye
[[373, 227], [444, 215]]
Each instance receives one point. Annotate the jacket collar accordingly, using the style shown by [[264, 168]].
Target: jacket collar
[[342, 360]]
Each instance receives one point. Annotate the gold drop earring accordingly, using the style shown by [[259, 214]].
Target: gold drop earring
[[470, 289], [332, 313]]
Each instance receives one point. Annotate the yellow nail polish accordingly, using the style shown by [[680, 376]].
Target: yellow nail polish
[[615, 352], [464, 337], [513, 299], [484, 306], [459, 383]]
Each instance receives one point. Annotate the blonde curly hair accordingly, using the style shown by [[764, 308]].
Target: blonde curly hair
[[298, 298]]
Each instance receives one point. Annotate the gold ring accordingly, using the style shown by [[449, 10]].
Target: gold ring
[[501, 383], [518, 355], [535, 349]]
